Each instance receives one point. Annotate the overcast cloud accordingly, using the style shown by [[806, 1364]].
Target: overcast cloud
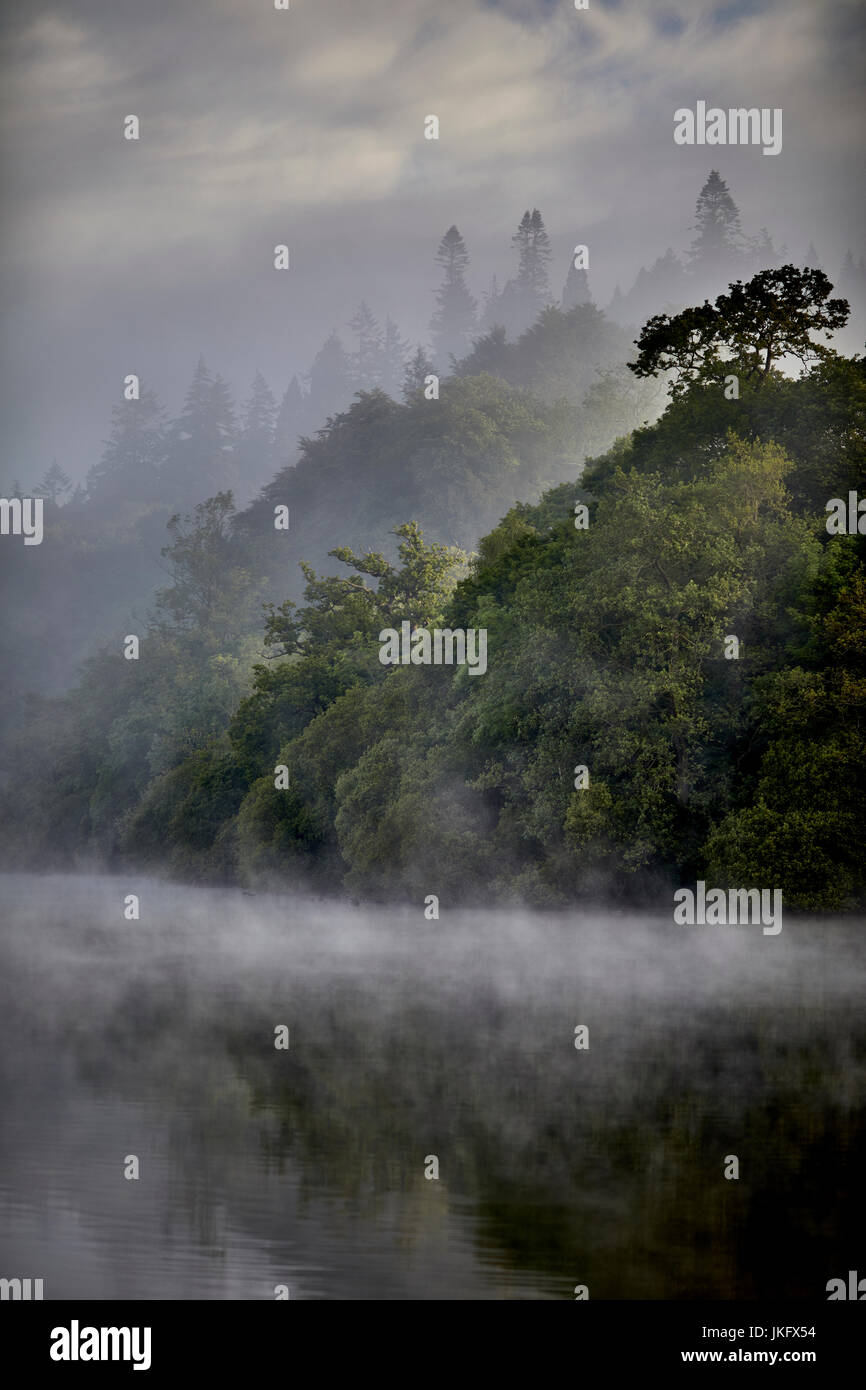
[[260, 126]]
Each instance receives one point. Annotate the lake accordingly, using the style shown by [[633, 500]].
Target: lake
[[411, 1041]]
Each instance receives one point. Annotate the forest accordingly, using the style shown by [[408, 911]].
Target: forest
[[675, 682]]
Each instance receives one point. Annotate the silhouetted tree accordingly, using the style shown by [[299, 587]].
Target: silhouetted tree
[[367, 357], [54, 484], [290, 423], [330, 379], [201, 443], [415, 376], [454, 320], [719, 240], [256, 439], [134, 454], [393, 359], [750, 329]]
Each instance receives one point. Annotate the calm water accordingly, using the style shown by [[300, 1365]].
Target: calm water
[[410, 1038]]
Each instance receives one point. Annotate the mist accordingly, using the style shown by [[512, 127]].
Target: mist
[[410, 1038]]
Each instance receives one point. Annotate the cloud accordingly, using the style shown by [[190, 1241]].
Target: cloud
[[260, 126]]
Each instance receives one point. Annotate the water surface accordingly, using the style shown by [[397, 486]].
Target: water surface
[[557, 1167]]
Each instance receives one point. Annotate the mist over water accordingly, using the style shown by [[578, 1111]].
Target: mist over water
[[411, 1038]]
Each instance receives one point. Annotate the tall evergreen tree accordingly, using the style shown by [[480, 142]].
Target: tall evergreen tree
[[54, 485], [453, 323], [528, 293], [367, 357], [719, 238], [330, 379], [255, 455], [576, 290], [415, 376], [395, 350], [134, 453], [201, 454], [290, 425]]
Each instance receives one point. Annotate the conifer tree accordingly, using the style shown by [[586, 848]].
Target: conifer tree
[[528, 293], [719, 238], [290, 423], [330, 379], [256, 439], [367, 357], [54, 485], [201, 453], [576, 289], [453, 323], [395, 349], [134, 454], [415, 376]]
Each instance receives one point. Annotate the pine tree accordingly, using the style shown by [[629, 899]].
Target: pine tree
[[54, 484], [255, 458], [576, 289], [367, 358], [290, 424], [134, 453], [201, 453], [395, 350], [453, 323], [330, 379], [415, 377], [719, 239], [530, 289]]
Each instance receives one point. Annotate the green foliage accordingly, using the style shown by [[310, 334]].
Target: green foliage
[[606, 643], [750, 329]]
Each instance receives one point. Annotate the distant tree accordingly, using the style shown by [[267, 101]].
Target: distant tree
[[663, 287], [290, 423], [719, 240], [576, 290], [367, 357], [491, 312], [528, 293], [811, 259], [255, 458], [201, 442], [415, 376], [492, 353], [204, 567], [330, 379], [54, 484], [751, 328], [454, 320], [763, 253], [395, 350], [134, 454]]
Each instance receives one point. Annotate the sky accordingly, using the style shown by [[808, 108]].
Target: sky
[[306, 127]]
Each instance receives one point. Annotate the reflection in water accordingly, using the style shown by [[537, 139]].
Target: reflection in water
[[412, 1038]]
